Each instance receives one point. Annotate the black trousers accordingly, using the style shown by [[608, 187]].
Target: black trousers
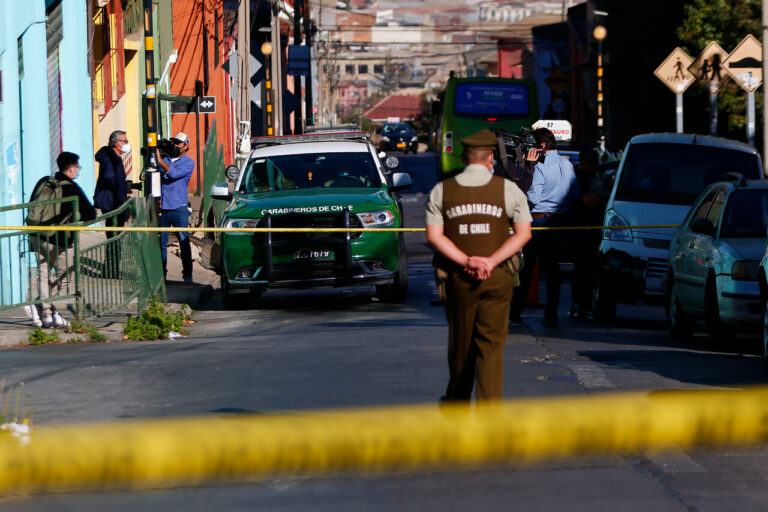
[[546, 247]]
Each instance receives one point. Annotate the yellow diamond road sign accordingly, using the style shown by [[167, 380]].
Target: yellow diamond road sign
[[745, 63], [674, 71], [557, 80], [708, 67]]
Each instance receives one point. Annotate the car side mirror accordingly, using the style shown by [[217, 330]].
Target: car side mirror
[[232, 172], [221, 191], [703, 226], [391, 163], [400, 181]]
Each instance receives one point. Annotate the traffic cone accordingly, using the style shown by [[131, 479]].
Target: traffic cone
[[533, 291]]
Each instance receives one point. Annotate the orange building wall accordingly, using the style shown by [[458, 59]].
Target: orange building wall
[[188, 19]]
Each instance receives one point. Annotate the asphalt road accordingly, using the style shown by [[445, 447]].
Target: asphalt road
[[335, 348]]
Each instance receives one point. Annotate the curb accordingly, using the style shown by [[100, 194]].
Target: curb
[[16, 334]]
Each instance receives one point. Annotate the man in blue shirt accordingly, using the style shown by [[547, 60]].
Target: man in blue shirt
[[176, 172], [553, 189]]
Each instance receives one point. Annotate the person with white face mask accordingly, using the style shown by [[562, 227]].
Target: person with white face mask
[[112, 191]]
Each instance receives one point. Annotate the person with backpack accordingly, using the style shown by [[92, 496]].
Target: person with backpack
[[112, 191], [54, 249]]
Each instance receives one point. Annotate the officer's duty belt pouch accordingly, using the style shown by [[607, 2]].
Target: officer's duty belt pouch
[[514, 265]]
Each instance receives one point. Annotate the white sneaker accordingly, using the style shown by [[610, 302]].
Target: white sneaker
[[59, 321], [33, 315]]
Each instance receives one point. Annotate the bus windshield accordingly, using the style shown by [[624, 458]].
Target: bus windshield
[[479, 99]]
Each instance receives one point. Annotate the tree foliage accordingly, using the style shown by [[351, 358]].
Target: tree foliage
[[726, 22]]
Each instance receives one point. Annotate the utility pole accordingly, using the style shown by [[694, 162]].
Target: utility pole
[[276, 69], [297, 117], [244, 75], [151, 175], [308, 41]]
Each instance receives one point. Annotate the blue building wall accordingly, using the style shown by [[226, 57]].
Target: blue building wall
[[24, 116]]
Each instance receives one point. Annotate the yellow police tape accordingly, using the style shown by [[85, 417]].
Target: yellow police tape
[[291, 230], [167, 452]]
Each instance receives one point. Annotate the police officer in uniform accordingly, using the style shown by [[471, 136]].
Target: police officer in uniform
[[468, 219]]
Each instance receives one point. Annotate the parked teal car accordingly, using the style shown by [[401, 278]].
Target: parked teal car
[[714, 259], [315, 181]]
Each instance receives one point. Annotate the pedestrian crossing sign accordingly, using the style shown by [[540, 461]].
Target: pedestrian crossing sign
[[708, 67], [674, 71]]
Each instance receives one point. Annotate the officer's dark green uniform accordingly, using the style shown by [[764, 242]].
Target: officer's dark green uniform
[[475, 209]]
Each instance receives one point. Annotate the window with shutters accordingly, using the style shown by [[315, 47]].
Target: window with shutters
[[108, 54], [53, 33]]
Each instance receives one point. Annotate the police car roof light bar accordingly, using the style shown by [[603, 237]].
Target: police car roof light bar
[[315, 137]]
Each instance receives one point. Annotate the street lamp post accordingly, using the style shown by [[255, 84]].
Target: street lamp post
[[599, 33]]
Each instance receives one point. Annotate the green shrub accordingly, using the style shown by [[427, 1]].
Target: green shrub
[[38, 336], [155, 322]]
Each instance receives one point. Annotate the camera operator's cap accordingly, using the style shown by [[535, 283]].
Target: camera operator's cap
[[181, 137], [484, 139]]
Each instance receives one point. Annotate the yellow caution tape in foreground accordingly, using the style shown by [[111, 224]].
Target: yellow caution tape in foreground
[[292, 230], [167, 452]]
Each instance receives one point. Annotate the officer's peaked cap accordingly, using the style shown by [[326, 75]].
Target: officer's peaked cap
[[484, 139]]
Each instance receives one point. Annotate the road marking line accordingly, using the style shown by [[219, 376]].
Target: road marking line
[[674, 460], [590, 375]]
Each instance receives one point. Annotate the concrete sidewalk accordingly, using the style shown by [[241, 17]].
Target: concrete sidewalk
[[15, 326]]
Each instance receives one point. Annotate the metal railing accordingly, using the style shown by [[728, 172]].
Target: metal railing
[[103, 274]]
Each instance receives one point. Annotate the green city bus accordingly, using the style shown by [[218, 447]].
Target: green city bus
[[471, 104]]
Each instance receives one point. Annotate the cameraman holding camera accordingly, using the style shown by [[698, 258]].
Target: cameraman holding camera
[[553, 188], [177, 169]]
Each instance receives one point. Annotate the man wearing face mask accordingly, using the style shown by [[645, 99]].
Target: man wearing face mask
[[111, 190]]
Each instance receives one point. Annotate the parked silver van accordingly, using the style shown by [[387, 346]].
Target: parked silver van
[[660, 176]]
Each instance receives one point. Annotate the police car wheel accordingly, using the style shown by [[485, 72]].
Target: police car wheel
[[396, 291]]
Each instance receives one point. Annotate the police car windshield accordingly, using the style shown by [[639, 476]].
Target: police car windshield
[[677, 173], [746, 214], [301, 171]]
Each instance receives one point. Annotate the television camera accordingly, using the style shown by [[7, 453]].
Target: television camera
[[511, 150]]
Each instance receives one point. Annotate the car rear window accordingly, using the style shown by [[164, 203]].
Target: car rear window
[[327, 170], [677, 173], [396, 129], [746, 214]]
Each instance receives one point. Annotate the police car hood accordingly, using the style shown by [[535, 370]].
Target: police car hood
[[309, 201], [645, 214]]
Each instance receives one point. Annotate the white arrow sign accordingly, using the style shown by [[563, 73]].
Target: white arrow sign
[[207, 104]]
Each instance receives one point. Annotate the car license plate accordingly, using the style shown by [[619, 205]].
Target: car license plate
[[313, 254], [401, 144]]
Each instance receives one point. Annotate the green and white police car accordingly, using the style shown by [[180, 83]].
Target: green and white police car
[[313, 181]]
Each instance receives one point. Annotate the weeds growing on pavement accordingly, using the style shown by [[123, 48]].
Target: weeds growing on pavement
[[93, 334], [156, 322], [38, 336]]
